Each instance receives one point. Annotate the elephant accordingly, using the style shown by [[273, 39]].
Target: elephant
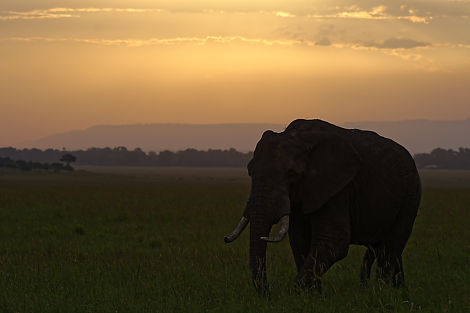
[[330, 187]]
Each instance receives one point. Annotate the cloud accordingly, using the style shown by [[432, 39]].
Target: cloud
[[284, 14], [375, 13], [40, 16], [391, 43], [395, 47], [351, 12], [57, 13], [323, 42], [397, 43], [164, 41]]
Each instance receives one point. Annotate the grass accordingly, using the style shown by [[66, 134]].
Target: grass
[[151, 240]]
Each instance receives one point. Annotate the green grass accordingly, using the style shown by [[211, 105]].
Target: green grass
[[151, 240]]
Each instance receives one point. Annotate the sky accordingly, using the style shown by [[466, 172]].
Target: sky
[[67, 65]]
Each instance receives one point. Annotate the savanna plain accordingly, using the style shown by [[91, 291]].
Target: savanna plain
[[151, 240]]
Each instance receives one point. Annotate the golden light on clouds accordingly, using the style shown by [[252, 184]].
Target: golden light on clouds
[[117, 62], [55, 13], [375, 13], [284, 14]]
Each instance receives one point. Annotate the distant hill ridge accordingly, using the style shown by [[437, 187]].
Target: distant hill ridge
[[421, 135], [159, 137], [416, 135]]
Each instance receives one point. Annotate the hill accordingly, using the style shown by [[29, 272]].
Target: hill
[[421, 135], [159, 137], [416, 135]]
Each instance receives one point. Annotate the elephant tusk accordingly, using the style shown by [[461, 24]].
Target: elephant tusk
[[282, 232], [237, 231]]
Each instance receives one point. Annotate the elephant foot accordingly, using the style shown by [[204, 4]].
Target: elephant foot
[[395, 280], [261, 286], [308, 284], [363, 283], [263, 293], [262, 290]]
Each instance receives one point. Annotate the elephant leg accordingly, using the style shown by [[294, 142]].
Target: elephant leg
[[316, 264], [390, 267], [399, 274], [299, 238], [389, 258], [331, 235], [321, 257], [368, 260]]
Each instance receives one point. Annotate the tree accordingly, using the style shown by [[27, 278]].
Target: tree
[[56, 167], [68, 158]]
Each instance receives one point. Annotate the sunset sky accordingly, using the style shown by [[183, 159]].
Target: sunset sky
[[68, 65]]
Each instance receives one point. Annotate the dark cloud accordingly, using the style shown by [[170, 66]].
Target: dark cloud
[[323, 42], [290, 32], [397, 43]]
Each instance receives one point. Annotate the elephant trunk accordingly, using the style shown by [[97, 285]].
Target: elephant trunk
[[258, 228], [266, 206]]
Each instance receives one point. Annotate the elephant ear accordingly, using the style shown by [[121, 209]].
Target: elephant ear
[[332, 164]]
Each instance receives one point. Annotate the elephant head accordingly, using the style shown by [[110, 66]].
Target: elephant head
[[294, 169]]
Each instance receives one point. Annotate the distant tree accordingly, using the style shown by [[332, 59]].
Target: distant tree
[[121, 156], [444, 159], [7, 162], [68, 158], [56, 167], [167, 158], [24, 165]]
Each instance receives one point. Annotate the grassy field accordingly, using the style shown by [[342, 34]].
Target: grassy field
[[151, 240]]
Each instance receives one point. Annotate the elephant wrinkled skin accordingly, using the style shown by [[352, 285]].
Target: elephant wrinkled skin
[[330, 187]]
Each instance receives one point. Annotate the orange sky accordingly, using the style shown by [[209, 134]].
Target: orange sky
[[68, 65]]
